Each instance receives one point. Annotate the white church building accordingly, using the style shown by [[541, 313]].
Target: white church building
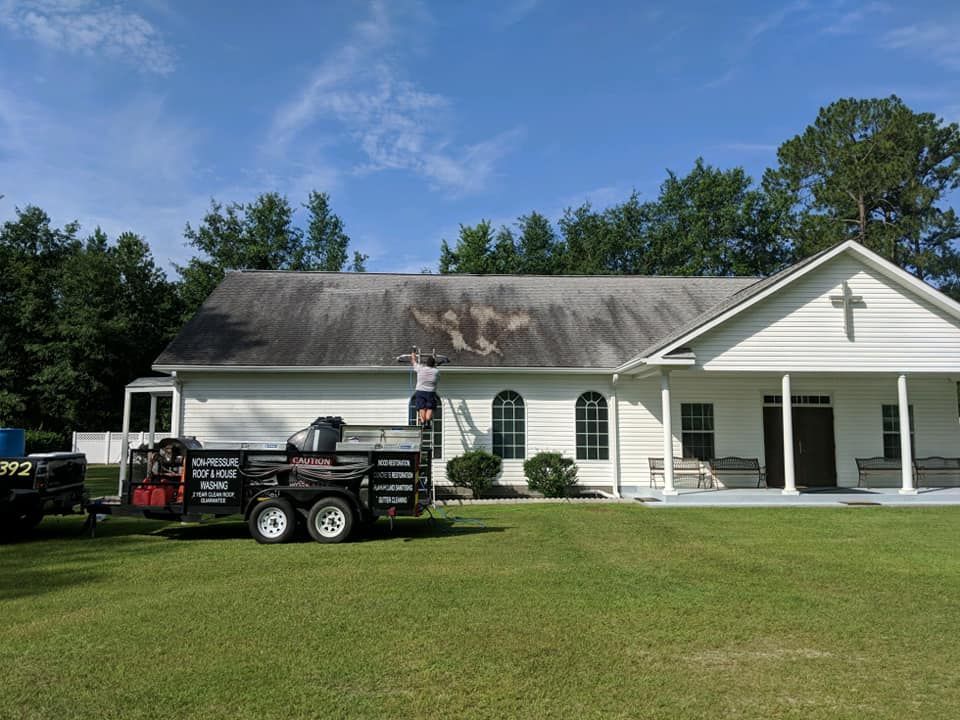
[[841, 356]]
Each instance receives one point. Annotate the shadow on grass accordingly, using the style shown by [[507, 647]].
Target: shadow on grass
[[410, 530], [224, 530], [406, 530], [55, 558]]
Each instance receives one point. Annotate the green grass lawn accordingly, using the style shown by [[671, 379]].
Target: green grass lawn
[[102, 480], [579, 611]]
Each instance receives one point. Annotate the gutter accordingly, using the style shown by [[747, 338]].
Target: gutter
[[446, 369]]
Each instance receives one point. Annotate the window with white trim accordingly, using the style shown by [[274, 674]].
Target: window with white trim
[[696, 422], [436, 425], [509, 426], [593, 435], [891, 431]]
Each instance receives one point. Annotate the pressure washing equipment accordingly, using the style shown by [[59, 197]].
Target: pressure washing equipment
[[330, 477]]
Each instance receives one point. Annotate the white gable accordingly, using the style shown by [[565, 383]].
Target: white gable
[[799, 328]]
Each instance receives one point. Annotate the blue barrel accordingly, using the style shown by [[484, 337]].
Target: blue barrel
[[13, 442]]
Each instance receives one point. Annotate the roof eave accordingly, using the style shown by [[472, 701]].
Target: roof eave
[[454, 369]]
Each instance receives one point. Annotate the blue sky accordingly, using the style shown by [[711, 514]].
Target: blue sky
[[418, 116]]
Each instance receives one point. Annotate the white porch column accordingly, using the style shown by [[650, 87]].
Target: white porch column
[[176, 410], [789, 478], [124, 443], [906, 451], [614, 429], [666, 409], [153, 420]]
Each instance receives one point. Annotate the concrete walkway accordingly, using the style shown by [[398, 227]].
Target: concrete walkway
[[762, 497]]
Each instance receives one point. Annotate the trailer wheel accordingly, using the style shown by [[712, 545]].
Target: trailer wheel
[[273, 521], [330, 520]]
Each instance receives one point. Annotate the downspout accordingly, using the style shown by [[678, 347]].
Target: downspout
[[615, 434]]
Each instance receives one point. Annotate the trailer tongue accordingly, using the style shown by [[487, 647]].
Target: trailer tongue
[[329, 478]]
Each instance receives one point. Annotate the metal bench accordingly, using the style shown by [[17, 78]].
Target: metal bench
[[935, 466], [737, 466], [682, 467], [875, 465]]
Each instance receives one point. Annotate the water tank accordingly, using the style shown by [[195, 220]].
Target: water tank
[[13, 442]]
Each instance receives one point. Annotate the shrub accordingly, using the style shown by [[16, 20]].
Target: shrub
[[476, 469], [550, 473], [39, 441]]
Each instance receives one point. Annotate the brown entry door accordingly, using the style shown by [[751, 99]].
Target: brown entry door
[[814, 455]]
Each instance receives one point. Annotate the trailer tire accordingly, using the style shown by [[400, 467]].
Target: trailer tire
[[273, 521], [330, 520]]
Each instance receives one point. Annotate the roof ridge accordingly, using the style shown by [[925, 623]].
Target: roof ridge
[[495, 275]]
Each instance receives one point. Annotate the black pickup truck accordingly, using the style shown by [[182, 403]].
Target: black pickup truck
[[36, 485]]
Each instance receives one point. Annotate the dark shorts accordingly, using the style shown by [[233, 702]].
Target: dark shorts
[[425, 400]]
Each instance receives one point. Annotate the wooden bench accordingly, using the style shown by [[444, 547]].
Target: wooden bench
[[682, 467], [737, 466], [935, 466], [875, 465]]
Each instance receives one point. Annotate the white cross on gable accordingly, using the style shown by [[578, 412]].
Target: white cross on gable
[[848, 301]]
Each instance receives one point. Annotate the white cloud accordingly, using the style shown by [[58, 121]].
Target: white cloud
[[934, 40], [92, 28], [360, 91]]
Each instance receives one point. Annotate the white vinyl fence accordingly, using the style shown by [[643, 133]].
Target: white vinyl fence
[[104, 447]]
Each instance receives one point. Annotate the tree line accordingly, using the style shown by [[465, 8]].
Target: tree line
[[82, 316], [871, 170]]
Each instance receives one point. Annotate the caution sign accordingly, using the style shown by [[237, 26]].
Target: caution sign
[[393, 482], [213, 482]]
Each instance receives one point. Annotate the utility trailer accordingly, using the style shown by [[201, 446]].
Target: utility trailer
[[39, 484], [330, 478]]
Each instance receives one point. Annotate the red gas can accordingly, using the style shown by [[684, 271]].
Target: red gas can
[[141, 495], [158, 496]]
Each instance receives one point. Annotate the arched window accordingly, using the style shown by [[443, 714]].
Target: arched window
[[436, 426], [509, 426], [593, 434]]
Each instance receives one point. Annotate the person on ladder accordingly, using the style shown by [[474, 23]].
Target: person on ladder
[[425, 396]]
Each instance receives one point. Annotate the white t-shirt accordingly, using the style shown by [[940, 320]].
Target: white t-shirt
[[426, 377]]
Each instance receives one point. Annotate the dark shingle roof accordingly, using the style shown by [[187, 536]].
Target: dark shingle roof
[[311, 319]]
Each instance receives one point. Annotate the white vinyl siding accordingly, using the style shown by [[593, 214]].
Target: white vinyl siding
[[799, 328], [272, 406]]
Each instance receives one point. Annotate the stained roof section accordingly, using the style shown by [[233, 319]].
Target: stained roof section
[[315, 319]]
